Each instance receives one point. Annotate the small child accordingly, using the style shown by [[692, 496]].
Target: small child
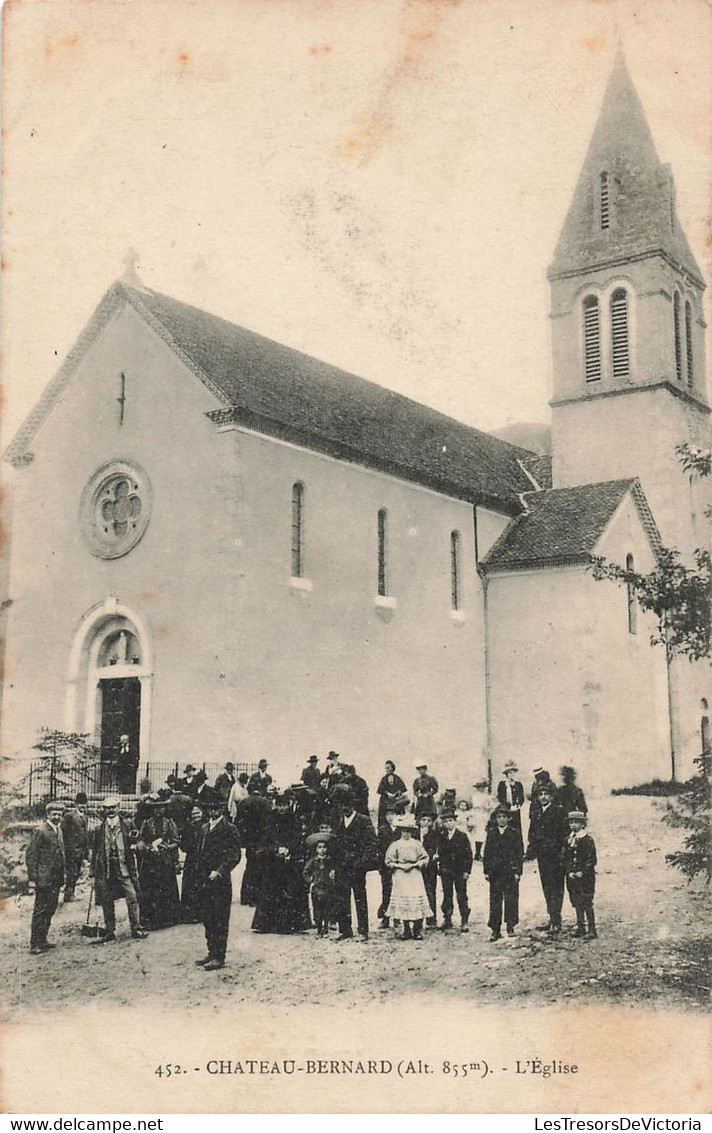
[[580, 866], [502, 864], [406, 857], [466, 820], [320, 875]]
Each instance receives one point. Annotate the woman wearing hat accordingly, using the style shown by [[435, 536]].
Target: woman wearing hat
[[510, 793], [158, 850], [406, 857]]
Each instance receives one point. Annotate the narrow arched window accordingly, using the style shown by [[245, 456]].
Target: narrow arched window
[[455, 577], [678, 336], [605, 203], [688, 343], [632, 604], [591, 339], [298, 531], [382, 552], [620, 353]]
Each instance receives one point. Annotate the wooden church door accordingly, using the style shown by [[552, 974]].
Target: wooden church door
[[120, 731]]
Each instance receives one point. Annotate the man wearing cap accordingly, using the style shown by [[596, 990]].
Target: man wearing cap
[[218, 854], [46, 867], [547, 837], [311, 775], [113, 867], [358, 847], [260, 782], [425, 788], [225, 781], [76, 842]]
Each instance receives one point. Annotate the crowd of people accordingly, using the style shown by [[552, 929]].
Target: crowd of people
[[308, 851]]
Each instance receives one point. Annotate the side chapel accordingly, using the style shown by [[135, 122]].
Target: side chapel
[[223, 548]]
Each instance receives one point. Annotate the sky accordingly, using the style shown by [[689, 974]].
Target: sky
[[379, 183]]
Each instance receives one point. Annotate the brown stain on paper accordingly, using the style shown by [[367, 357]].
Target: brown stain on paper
[[420, 23]]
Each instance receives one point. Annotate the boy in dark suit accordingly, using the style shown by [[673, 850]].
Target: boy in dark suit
[[454, 866], [387, 833], [502, 863], [580, 868], [46, 867], [218, 854]]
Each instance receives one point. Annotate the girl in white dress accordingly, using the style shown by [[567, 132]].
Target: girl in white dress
[[405, 858]]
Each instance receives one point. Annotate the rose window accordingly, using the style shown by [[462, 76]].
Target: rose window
[[115, 509]]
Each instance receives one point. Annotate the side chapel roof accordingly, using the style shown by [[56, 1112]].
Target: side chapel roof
[[562, 526]]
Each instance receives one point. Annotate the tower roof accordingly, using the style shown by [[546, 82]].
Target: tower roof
[[642, 218]]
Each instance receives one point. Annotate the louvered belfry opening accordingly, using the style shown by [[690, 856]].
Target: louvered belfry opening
[[605, 201], [688, 342], [678, 342], [592, 338], [619, 333], [382, 579], [297, 530]]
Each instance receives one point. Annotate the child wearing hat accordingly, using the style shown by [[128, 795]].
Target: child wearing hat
[[579, 860], [320, 876], [502, 862], [406, 857]]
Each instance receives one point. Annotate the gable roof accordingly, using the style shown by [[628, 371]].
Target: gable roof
[[562, 526], [642, 192], [271, 388]]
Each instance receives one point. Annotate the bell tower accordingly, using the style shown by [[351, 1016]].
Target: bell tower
[[627, 325]]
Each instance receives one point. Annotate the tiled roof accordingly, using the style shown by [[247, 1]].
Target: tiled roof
[[540, 468], [272, 387], [563, 525], [276, 390]]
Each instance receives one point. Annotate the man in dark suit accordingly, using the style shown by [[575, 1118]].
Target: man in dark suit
[[548, 831], [454, 867], [76, 842], [225, 781], [260, 782], [113, 867], [218, 854], [46, 866], [358, 846], [311, 775], [502, 862], [387, 833]]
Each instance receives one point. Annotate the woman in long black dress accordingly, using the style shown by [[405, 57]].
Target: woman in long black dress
[[158, 849], [282, 903], [191, 912], [390, 789]]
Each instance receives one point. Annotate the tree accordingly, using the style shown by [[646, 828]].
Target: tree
[[691, 811], [65, 757]]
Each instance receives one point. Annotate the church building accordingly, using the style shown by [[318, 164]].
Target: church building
[[225, 549]]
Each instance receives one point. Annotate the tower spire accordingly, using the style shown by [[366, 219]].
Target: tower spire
[[624, 202]]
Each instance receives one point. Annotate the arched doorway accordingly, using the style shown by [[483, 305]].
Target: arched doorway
[[108, 692]]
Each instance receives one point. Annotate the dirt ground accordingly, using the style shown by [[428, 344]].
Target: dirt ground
[[653, 947]]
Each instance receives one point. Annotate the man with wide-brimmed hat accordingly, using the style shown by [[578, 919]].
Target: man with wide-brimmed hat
[[218, 854], [113, 867], [225, 781], [311, 775], [46, 866]]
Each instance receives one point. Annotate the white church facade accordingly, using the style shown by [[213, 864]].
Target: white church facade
[[222, 548]]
